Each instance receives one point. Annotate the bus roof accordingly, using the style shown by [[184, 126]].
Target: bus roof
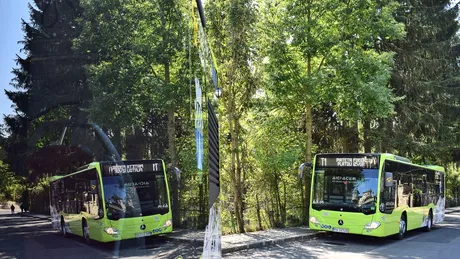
[[82, 168], [95, 164], [54, 178], [436, 167]]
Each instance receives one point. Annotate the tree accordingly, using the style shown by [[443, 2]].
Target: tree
[[231, 30], [425, 79], [322, 53], [138, 71], [50, 79]]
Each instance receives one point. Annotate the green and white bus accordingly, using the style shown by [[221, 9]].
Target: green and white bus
[[375, 194], [110, 201]]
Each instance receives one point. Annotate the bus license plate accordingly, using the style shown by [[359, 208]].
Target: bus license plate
[[145, 234], [340, 230]]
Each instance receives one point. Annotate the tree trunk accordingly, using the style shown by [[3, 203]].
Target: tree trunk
[[117, 140], [386, 143], [283, 211], [389, 142], [235, 172], [172, 153], [201, 205], [367, 137], [308, 157], [259, 219], [134, 144], [308, 124], [279, 216], [159, 138], [240, 217], [350, 137], [304, 211]]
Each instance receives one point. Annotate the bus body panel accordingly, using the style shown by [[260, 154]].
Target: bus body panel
[[128, 228], [355, 222], [95, 230], [390, 223], [352, 223]]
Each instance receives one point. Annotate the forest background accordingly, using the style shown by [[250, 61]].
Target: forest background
[[297, 78]]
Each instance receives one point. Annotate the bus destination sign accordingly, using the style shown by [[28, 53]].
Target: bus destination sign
[[130, 168], [339, 161], [125, 169]]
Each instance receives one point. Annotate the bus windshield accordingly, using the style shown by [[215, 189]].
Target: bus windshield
[[135, 195], [345, 189]]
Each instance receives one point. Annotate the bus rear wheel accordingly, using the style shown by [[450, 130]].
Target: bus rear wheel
[[429, 223], [85, 230], [402, 227]]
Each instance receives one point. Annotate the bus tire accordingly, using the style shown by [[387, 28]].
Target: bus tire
[[429, 224], [402, 227], [85, 231], [63, 228]]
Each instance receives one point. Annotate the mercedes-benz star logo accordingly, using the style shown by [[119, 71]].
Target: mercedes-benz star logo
[[340, 222], [142, 227]]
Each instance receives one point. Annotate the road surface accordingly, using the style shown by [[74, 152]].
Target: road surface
[[442, 242], [25, 237]]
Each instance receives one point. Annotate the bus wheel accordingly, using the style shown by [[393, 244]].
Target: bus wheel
[[63, 229], [429, 224], [402, 227], [85, 229]]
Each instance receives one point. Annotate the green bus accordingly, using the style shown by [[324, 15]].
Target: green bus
[[111, 201], [375, 194]]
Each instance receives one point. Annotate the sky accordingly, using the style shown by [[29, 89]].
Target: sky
[[11, 12]]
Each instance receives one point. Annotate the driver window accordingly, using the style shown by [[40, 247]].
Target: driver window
[[388, 193]]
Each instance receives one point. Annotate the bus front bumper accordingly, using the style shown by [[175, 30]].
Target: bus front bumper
[[118, 235], [371, 228]]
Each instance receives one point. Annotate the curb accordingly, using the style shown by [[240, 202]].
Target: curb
[[268, 243], [195, 242]]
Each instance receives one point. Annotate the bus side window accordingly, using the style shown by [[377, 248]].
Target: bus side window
[[70, 198]]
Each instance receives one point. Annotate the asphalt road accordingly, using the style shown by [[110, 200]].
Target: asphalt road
[[442, 242], [25, 237]]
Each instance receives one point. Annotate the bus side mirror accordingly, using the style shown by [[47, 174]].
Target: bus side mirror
[[388, 179], [302, 169]]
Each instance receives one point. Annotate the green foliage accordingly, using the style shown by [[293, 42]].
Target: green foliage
[[130, 43], [231, 26], [10, 185], [423, 77], [322, 52], [382, 72]]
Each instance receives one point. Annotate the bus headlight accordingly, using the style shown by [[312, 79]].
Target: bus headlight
[[372, 225], [167, 223], [314, 220], [111, 231]]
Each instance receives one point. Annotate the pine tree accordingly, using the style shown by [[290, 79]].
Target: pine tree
[[424, 75], [50, 80]]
